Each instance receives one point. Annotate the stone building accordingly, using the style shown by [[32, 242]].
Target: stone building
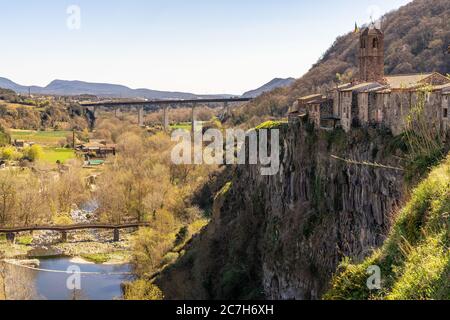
[[376, 99], [319, 110]]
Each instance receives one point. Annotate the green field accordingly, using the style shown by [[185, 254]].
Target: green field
[[49, 138], [51, 155], [185, 126]]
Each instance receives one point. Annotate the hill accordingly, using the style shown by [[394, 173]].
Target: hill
[[417, 36], [72, 88], [273, 84]]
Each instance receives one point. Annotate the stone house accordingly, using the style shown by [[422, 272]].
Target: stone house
[[319, 109]]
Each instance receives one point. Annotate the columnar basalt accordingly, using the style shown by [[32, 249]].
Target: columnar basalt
[[282, 236]]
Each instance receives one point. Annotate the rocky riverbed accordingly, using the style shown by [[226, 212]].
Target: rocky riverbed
[[93, 245]]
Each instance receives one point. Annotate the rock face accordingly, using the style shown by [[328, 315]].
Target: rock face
[[283, 236]]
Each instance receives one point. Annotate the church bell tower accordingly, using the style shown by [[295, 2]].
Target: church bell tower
[[371, 55]]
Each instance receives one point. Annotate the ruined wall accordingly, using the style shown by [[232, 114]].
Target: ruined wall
[[282, 236]]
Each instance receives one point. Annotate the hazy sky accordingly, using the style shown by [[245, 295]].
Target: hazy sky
[[201, 46]]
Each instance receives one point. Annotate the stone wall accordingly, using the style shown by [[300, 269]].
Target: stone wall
[[346, 99], [391, 109]]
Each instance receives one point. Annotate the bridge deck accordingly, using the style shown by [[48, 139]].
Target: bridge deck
[[162, 102], [74, 227]]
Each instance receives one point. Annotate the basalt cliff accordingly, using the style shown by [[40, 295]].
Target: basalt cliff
[[283, 236]]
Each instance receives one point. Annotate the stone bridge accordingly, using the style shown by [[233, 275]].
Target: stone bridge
[[11, 232]]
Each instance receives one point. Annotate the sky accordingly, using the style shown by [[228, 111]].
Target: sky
[[199, 46]]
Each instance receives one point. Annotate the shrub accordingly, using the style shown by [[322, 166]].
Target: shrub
[[181, 236], [33, 153], [142, 290], [9, 153]]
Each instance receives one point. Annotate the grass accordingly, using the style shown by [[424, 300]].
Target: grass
[[271, 125], [225, 189], [185, 126], [24, 240], [4, 139], [14, 106], [47, 138], [415, 259], [52, 155], [97, 258]]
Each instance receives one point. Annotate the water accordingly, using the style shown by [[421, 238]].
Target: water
[[53, 286]]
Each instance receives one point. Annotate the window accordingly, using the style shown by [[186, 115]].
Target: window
[[363, 43], [375, 43], [445, 113]]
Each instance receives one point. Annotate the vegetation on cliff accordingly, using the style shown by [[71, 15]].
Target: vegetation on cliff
[[415, 259]]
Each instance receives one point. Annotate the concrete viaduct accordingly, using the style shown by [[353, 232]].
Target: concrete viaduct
[[141, 106]]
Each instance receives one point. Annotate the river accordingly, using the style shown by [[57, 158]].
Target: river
[[105, 284]]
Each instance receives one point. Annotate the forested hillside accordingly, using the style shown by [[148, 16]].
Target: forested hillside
[[416, 40]]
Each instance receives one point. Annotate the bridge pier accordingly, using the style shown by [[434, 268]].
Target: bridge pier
[[116, 235], [166, 122], [117, 112], [95, 112], [226, 108], [11, 237], [141, 116], [194, 118], [63, 236]]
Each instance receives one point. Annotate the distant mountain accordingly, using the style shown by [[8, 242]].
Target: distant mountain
[[273, 84], [72, 88]]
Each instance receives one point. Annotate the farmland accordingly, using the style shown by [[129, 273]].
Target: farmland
[[46, 138], [52, 155]]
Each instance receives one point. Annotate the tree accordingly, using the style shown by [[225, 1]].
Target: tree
[[8, 197], [33, 153]]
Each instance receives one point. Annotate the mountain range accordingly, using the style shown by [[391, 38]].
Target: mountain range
[[72, 88], [274, 84]]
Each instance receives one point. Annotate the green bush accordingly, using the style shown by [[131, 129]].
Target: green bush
[[10, 153], [33, 153]]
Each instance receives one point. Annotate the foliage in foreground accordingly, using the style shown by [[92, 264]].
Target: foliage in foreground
[[142, 290], [415, 259]]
